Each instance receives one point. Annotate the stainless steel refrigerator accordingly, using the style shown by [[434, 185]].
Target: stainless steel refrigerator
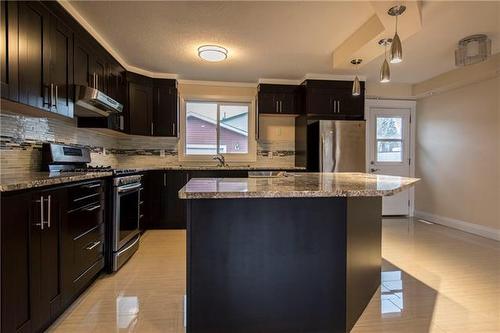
[[336, 146]]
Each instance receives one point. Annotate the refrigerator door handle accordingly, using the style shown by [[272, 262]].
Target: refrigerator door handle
[[321, 152]]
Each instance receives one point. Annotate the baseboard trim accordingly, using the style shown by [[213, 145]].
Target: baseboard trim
[[471, 228]]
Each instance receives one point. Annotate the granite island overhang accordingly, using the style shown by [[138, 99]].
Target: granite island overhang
[[299, 253]]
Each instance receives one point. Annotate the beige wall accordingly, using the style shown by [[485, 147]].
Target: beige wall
[[458, 154]]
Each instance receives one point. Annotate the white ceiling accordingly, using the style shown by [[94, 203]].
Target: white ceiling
[[281, 40]]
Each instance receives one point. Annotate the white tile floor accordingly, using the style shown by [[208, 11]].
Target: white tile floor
[[434, 279]]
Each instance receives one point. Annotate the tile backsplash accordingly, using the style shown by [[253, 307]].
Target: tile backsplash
[[22, 136]]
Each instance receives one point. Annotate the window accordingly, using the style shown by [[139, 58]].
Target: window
[[214, 127], [389, 139]]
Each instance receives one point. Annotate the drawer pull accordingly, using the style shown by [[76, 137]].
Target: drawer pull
[[86, 197], [91, 185], [93, 246], [91, 209]]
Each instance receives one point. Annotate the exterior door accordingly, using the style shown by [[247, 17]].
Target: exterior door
[[389, 152]]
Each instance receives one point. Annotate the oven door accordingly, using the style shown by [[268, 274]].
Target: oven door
[[126, 214]]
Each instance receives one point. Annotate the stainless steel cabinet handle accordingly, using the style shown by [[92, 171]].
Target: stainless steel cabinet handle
[[334, 106], [51, 95], [277, 107], [41, 213], [57, 97], [91, 209], [338, 109], [152, 128], [93, 246], [281, 106], [48, 212], [165, 180], [92, 185], [95, 80], [173, 129]]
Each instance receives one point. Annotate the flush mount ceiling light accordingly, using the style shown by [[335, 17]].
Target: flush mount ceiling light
[[212, 53], [396, 55], [356, 86], [472, 49], [385, 71]]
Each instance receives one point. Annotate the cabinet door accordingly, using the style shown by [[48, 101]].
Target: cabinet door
[[165, 111], [351, 107], [34, 54], [98, 72], [320, 101], [15, 234], [140, 109], [287, 103], [267, 103], [45, 257], [61, 68], [176, 209], [82, 63], [9, 50]]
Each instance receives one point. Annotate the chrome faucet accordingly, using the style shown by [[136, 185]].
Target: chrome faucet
[[221, 159]]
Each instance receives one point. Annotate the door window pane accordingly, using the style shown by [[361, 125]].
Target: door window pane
[[201, 128], [233, 129], [389, 151], [389, 139], [389, 128]]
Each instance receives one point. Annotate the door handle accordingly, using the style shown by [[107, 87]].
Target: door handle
[[374, 170]]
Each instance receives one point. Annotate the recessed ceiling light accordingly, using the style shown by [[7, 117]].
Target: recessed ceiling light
[[212, 53]]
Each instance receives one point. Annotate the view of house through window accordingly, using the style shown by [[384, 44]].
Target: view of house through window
[[216, 127], [389, 139]]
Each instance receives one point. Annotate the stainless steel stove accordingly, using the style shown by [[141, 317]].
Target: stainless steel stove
[[126, 185]]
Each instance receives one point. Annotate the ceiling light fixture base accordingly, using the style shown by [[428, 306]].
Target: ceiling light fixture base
[[396, 10], [356, 61], [385, 42]]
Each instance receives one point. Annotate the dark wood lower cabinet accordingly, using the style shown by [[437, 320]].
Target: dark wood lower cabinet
[[47, 257], [16, 273]]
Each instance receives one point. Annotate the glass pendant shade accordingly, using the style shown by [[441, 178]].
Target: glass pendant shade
[[385, 72], [396, 54], [356, 87]]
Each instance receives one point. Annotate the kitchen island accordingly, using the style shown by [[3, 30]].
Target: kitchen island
[[296, 253]]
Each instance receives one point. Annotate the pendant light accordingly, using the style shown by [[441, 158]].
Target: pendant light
[[385, 71], [396, 55], [356, 85]]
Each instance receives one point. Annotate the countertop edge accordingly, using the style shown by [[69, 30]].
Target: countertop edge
[[38, 183]]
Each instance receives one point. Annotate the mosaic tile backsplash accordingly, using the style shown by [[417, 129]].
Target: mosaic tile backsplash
[[22, 136]]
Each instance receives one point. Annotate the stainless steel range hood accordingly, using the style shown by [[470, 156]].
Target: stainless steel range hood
[[91, 102]]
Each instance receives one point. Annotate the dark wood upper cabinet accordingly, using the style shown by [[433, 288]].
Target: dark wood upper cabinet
[[82, 66], [9, 50], [333, 99], [139, 110], [61, 68], [165, 111], [278, 99], [34, 54]]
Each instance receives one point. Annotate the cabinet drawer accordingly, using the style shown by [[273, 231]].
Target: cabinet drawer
[[85, 194], [84, 219], [88, 249]]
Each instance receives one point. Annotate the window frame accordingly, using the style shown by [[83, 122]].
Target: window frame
[[250, 156]]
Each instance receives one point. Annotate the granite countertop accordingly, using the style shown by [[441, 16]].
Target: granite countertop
[[297, 185], [23, 181], [214, 168]]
